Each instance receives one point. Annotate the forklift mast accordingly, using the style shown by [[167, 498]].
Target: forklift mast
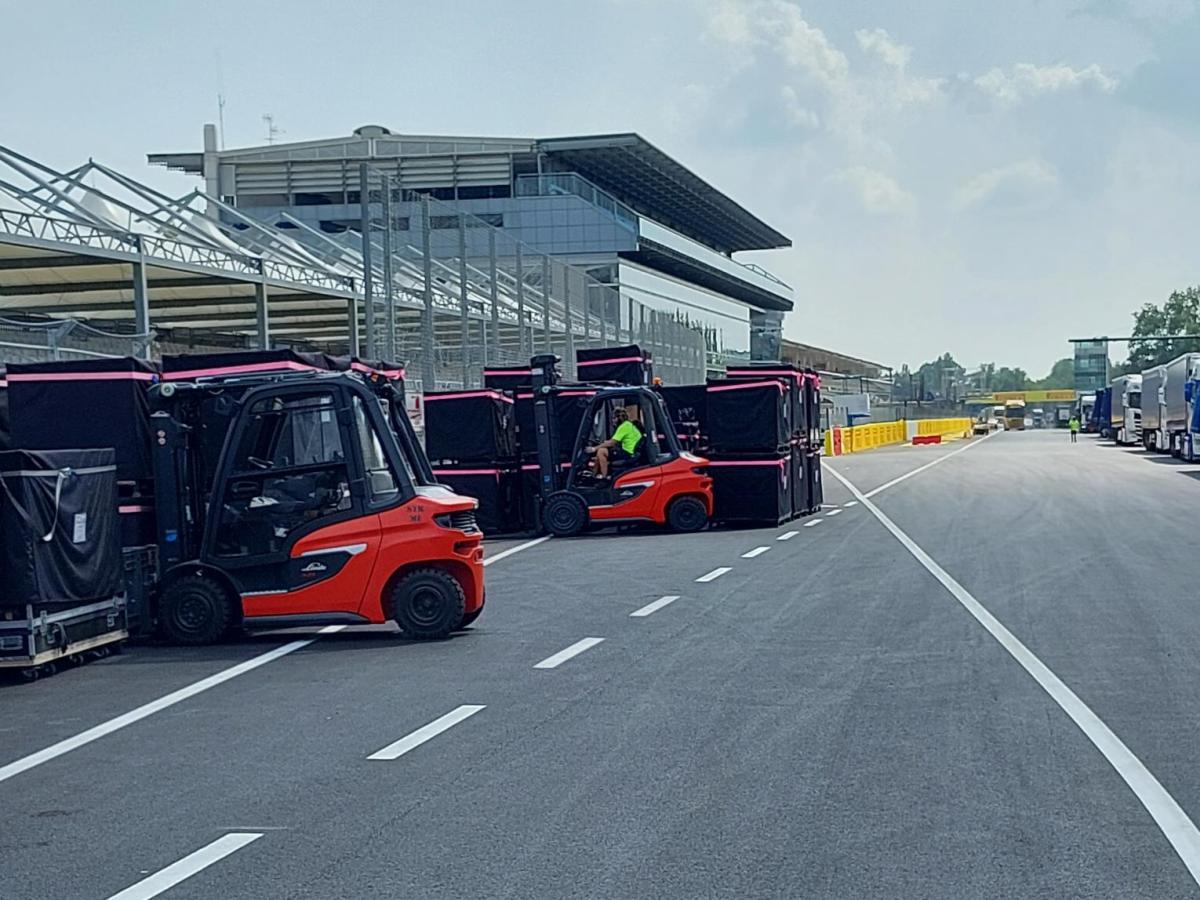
[[544, 369]]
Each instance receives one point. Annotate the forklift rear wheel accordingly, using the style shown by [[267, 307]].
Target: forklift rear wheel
[[687, 514], [194, 610], [428, 604], [565, 514]]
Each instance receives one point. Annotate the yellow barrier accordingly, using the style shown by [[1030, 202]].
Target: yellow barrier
[[839, 441]]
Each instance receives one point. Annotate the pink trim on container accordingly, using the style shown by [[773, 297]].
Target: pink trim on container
[[575, 394], [774, 372], [507, 371], [746, 386], [495, 472], [133, 508], [246, 369], [603, 362], [386, 373], [81, 376], [495, 395]]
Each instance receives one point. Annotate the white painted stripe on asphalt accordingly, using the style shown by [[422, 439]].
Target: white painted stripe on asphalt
[[167, 878], [427, 732], [757, 551], [812, 523], [1167, 814], [714, 574], [833, 512], [919, 469], [148, 709], [655, 606], [517, 549], [787, 536], [553, 662], [850, 503]]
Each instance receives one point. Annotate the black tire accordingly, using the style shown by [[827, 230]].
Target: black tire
[[687, 514], [428, 604], [565, 514], [194, 610]]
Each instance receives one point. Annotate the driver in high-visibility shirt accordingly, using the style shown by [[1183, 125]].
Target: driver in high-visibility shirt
[[622, 444]]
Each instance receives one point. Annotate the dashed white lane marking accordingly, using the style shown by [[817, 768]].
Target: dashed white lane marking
[[933, 462], [757, 551], [850, 504], [1167, 814], [714, 574], [517, 549], [827, 506], [787, 536], [833, 512], [655, 606], [398, 748], [167, 878], [553, 662], [812, 523], [148, 709]]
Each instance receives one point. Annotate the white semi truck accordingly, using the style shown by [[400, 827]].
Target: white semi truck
[[1125, 419]]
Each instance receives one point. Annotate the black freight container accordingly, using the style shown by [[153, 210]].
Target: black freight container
[[470, 426], [793, 384], [5, 434], [751, 488], [801, 486], [623, 365], [59, 542], [497, 490], [747, 416], [243, 362], [507, 378], [85, 403]]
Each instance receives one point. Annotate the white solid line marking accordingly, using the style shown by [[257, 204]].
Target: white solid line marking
[[812, 523], [933, 462], [517, 549], [850, 503], [655, 606], [552, 662], [757, 551], [833, 512], [1167, 814], [787, 536], [714, 574], [167, 878], [426, 732], [148, 709]]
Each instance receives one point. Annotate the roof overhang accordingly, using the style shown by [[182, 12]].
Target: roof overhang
[[687, 268], [657, 186]]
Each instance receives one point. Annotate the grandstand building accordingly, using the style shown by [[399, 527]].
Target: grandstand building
[[614, 205]]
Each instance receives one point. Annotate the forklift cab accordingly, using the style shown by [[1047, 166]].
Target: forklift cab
[[314, 509], [656, 482]]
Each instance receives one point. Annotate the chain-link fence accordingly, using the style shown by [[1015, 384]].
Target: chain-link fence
[[448, 292]]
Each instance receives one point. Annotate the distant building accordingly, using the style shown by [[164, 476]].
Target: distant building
[[830, 361], [612, 204], [1091, 365]]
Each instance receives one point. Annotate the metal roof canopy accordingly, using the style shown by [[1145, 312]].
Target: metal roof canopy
[[115, 250], [652, 182]]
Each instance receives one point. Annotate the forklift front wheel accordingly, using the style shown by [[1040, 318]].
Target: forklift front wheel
[[687, 514], [428, 604], [194, 610], [565, 514]]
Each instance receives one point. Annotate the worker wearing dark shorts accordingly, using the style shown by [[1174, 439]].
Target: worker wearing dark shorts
[[1074, 426]]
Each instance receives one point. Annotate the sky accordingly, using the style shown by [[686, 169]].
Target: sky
[[985, 178]]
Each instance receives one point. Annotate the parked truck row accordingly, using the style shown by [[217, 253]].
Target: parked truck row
[[1156, 408]]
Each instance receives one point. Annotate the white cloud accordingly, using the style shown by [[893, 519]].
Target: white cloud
[[1016, 185], [877, 191], [729, 23], [1026, 80], [880, 43]]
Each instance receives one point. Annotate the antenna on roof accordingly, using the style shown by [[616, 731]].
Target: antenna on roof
[[220, 102], [272, 131]]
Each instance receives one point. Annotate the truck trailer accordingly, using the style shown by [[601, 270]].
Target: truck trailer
[[1178, 401], [1154, 416], [1125, 411]]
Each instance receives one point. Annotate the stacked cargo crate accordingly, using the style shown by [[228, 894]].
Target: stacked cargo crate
[[750, 450]]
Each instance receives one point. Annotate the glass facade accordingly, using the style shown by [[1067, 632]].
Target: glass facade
[[1091, 366], [727, 320]]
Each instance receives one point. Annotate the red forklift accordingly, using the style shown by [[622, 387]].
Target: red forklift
[[661, 483], [289, 498]]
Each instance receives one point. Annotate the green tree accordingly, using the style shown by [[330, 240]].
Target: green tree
[[1006, 379], [1061, 377], [1179, 314]]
